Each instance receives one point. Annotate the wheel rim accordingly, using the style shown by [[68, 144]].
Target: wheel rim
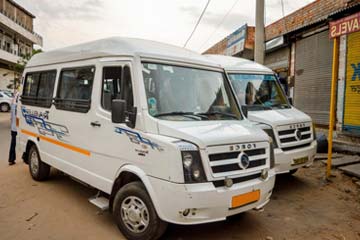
[[134, 214], [34, 163], [4, 108]]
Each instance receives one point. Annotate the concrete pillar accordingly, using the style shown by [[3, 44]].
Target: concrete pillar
[[260, 32]]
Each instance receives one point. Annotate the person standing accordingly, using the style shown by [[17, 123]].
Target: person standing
[[12, 152]]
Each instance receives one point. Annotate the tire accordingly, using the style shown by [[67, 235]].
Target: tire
[[39, 170], [132, 197], [4, 107], [292, 172]]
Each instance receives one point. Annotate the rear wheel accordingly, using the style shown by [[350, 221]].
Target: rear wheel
[[4, 107], [135, 214], [39, 170]]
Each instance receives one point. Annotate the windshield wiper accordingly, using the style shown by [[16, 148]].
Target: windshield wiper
[[179, 113], [280, 105], [257, 107], [218, 113]]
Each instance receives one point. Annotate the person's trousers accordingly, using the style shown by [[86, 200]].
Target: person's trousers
[[12, 153]]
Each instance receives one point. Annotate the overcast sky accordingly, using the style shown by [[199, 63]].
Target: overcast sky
[[64, 23]]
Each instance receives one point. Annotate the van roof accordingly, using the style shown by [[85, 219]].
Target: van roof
[[119, 46], [239, 64]]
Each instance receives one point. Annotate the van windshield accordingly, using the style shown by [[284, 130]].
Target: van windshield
[[188, 94], [258, 92]]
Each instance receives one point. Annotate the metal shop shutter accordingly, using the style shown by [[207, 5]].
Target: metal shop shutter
[[352, 86], [313, 62]]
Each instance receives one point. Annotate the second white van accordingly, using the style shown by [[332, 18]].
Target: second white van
[[263, 101]]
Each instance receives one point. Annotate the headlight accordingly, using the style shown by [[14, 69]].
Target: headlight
[[191, 160], [192, 166], [314, 130], [187, 160]]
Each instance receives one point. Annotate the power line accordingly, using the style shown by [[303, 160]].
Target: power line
[[220, 23], [197, 23]]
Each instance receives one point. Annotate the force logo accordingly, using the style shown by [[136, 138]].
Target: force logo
[[239, 147], [298, 125], [298, 135]]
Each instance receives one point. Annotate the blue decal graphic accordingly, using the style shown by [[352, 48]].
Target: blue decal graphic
[[36, 119], [137, 138]]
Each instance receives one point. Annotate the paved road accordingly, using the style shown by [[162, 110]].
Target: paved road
[[302, 207]]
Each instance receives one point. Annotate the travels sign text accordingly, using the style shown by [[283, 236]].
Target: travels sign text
[[344, 26]]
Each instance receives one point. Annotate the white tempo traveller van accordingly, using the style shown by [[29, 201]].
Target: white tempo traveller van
[[263, 101], [154, 127]]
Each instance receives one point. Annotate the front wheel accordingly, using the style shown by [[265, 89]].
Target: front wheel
[[39, 170], [135, 213]]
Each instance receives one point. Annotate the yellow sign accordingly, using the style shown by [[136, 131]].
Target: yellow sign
[[352, 90]]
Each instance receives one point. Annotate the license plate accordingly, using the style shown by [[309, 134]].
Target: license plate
[[301, 160], [246, 198]]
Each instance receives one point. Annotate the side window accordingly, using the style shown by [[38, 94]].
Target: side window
[[74, 90], [1, 95], [46, 88], [31, 84], [111, 86], [116, 85], [38, 88]]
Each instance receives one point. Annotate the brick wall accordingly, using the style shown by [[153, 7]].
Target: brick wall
[[250, 38], [311, 13], [220, 47]]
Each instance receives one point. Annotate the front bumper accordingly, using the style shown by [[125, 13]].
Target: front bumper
[[206, 203], [284, 160]]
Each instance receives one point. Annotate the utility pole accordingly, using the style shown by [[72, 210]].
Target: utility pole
[[260, 32]]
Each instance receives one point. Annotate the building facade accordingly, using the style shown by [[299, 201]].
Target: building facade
[[239, 44], [17, 38]]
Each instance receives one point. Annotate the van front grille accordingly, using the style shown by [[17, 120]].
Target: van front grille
[[224, 163], [294, 135]]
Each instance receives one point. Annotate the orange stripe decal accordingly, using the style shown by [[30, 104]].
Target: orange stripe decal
[[29, 133], [61, 144]]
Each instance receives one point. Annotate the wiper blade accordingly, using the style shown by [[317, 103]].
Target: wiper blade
[[219, 113], [257, 107], [186, 114]]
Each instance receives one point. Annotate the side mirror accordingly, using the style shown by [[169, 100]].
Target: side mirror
[[119, 113], [290, 100], [118, 108]]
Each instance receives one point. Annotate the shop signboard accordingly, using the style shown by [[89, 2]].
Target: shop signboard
[[236, 41], [345, 25]]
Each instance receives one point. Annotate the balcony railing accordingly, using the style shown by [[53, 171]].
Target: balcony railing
[[22, 29], [8, 56]]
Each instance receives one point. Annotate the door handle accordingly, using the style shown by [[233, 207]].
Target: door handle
[[95, 124]]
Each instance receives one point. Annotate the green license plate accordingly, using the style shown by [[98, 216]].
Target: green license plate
[[301, 160]]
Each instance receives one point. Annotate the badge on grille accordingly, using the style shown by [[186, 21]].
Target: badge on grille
[[244, 161], [298, 135]]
